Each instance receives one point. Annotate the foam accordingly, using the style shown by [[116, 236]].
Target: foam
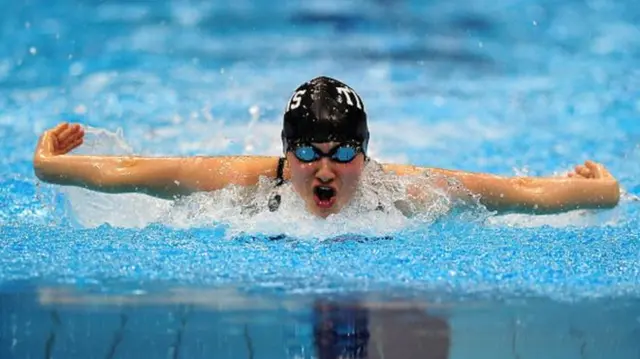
[[245, 209]]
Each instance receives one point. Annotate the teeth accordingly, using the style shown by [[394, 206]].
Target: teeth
[[324, 193]]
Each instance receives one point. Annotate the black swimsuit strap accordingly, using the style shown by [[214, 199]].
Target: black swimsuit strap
[[274, 201], [280, 171]]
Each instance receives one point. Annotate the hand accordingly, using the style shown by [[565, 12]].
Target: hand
[[60, 140], [592, 170]]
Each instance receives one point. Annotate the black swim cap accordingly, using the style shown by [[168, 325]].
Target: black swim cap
[[325, 110]]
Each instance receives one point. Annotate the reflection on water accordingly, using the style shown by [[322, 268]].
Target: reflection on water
[[229, 323], [353, 330]]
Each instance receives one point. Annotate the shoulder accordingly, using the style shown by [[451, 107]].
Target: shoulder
[[240, 170], [402, 170], [249, 163], [252, 167]]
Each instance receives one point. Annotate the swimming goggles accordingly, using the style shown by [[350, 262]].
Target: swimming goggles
[[343, 153]]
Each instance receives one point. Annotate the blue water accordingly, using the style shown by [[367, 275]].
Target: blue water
[[511, 87]]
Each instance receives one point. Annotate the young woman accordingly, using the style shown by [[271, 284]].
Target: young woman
[[325, 137]]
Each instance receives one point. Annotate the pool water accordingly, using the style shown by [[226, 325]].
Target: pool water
[[511, 88]]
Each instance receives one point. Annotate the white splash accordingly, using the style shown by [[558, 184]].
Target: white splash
[[92, 209], [245, 210]]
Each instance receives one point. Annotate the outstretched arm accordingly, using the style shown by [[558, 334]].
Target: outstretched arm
[[590, 186], [164, 177]]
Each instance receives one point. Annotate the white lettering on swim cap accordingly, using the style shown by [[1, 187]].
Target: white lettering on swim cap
[[295, 100], [346, 92]]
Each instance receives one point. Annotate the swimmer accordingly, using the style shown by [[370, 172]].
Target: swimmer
[[325, 141]]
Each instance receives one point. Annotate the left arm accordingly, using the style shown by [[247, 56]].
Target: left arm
[[590, 187]]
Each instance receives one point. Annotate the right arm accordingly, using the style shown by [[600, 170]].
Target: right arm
[[590, 187], [164, 177]]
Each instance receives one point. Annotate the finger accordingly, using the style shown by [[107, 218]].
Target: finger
[[583, 171], [68, 131], [72, 137], [601, 171], [69, 147], [53, 142], [595, 168], [582, 168], [592, 165], [76, 127], [60, 128]]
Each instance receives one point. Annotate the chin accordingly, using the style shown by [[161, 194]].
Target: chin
[[323, 212], [322, 215]]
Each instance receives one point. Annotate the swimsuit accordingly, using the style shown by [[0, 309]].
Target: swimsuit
[[274, 201]]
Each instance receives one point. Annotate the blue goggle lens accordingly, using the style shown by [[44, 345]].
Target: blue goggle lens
[[306, 154], [342, 153]]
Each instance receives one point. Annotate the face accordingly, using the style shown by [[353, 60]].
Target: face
[[325, 185]]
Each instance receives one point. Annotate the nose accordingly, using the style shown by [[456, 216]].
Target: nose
[[325, 172]]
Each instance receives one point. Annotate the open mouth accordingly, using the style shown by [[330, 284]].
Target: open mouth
[[324, 196]]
